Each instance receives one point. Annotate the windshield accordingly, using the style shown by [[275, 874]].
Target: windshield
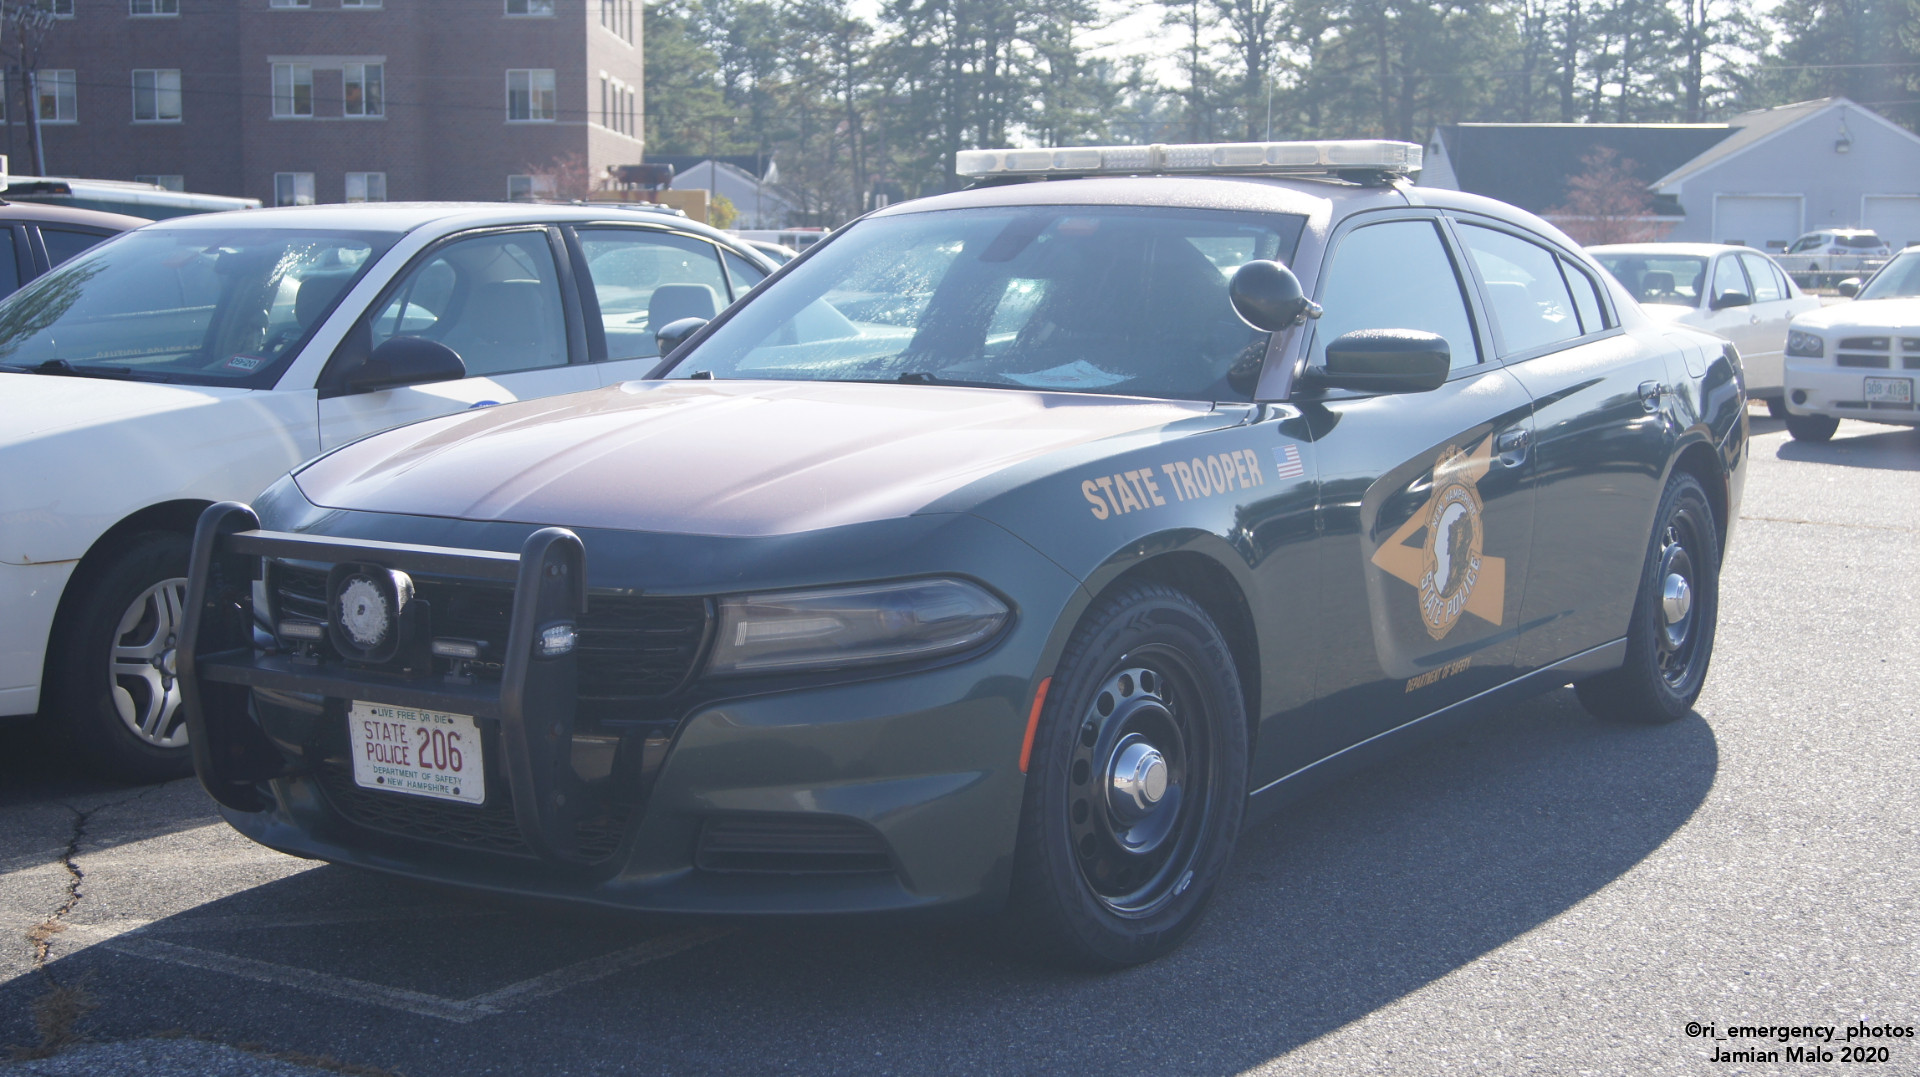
[[1095, 299], [203, 306], [1658, 278], [1898, 279]]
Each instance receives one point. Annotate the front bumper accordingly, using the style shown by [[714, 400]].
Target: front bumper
[[896, 791], [1819, 387]]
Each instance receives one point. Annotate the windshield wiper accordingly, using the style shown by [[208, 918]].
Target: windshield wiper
[[921, 377], [65, 369]]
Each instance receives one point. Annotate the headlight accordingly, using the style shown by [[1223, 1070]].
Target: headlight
[[853, 626], [1806, 345]]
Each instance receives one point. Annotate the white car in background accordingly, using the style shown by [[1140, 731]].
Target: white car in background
[[1733, 292], [199, 359], [1858, 360]]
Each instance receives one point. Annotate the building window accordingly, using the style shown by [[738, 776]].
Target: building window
[[529, 188], [156, 96], [530, 7], [366, 186], [62, 9], [58, 103], [153, 7], [293, 188], [289, 3], [360, 3], [366, 87], [171, 183], [530, 95], [292, 90]]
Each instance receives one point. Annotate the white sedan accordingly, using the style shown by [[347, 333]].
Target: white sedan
[[1858, 360], [1732, 292], [198, 359]]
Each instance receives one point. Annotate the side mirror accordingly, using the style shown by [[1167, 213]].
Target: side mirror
[[675, 333], [1384, 361], [1267, 296], [406, 361], [1732, 299], [1850, 287]]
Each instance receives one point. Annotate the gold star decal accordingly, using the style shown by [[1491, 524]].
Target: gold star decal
[[1449, 569]]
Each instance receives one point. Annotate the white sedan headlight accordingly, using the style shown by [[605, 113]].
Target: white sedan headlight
[[1806, 345], [853, 626]]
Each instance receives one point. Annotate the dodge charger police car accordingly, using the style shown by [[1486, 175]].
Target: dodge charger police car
[[1002, 553]]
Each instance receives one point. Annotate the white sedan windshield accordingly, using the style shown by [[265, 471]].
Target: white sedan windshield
[[188, 305], [1899, 280]]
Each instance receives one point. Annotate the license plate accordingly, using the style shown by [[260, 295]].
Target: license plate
[[1889, 391], [425, 753]]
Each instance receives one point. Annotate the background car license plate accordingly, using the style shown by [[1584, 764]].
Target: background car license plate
[[1889, 391], [426, 753]]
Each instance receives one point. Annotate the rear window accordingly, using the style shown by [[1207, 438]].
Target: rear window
[[1868, 240]]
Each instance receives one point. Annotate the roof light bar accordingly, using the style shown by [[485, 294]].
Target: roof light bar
[[1267, 158]]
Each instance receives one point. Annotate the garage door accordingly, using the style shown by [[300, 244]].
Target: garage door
[[1895, 216], [1761, 221]]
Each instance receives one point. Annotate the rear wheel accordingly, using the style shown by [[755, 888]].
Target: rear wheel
[[114, 689], [1136, 786], [1670, 638], [1812, 427], [1777, 407]]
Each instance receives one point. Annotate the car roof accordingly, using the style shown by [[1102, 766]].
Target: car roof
[[1702, 250], [41, 213], [400, 217], [1841, 232]]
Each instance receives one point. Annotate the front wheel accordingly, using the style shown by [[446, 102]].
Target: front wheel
[[114, 688], [1812, 427], [1137, 783], [1675, 614]]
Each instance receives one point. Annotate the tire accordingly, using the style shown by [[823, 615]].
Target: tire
[[1669, 643], [116, 704], [1777, 407], [1108, 873], [1812, 427]]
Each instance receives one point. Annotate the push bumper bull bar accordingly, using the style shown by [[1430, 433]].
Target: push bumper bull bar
[[533, 701]]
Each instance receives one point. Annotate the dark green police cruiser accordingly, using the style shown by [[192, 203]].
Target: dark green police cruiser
[[1002, 552]]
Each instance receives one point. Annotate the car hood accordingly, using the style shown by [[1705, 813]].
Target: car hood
[[33, 405], [1887, 315], [730, 458]]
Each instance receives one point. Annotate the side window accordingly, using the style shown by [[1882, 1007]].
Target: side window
[[1395, 275], [1727, 278], [63, 244], [645, 280], [1528, 297], [1586, 297], [494, 299], [1766, 286], [9, 262], [741, 273]]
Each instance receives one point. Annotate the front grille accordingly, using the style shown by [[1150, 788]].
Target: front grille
[[631, 647], [489, 827], [791, 845], [1866, 344], [1871, 362]]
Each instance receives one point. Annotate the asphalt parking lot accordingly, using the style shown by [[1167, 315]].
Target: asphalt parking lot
[[1538, 894]]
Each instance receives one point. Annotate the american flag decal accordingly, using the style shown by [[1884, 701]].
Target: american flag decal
[[1286, 459]]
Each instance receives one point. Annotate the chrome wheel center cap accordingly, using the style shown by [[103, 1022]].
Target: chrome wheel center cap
[[1676, 598], [1138, 779]]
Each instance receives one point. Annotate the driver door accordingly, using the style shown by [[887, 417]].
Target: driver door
[[498, 299], [1426, 498]]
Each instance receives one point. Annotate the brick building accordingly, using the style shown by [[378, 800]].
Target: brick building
[[338, 100]]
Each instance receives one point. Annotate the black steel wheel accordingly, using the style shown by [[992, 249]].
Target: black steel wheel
[[112, 695], [1137, 783], [1675, 614], [1812, 427]]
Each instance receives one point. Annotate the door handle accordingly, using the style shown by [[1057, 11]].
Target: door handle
[[1650, 394], [1512, 446]]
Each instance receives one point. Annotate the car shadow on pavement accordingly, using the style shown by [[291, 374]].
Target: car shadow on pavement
[[1334, 908], [1888, 449]]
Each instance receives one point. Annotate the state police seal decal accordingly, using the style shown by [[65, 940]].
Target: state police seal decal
[[1450, 568]]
